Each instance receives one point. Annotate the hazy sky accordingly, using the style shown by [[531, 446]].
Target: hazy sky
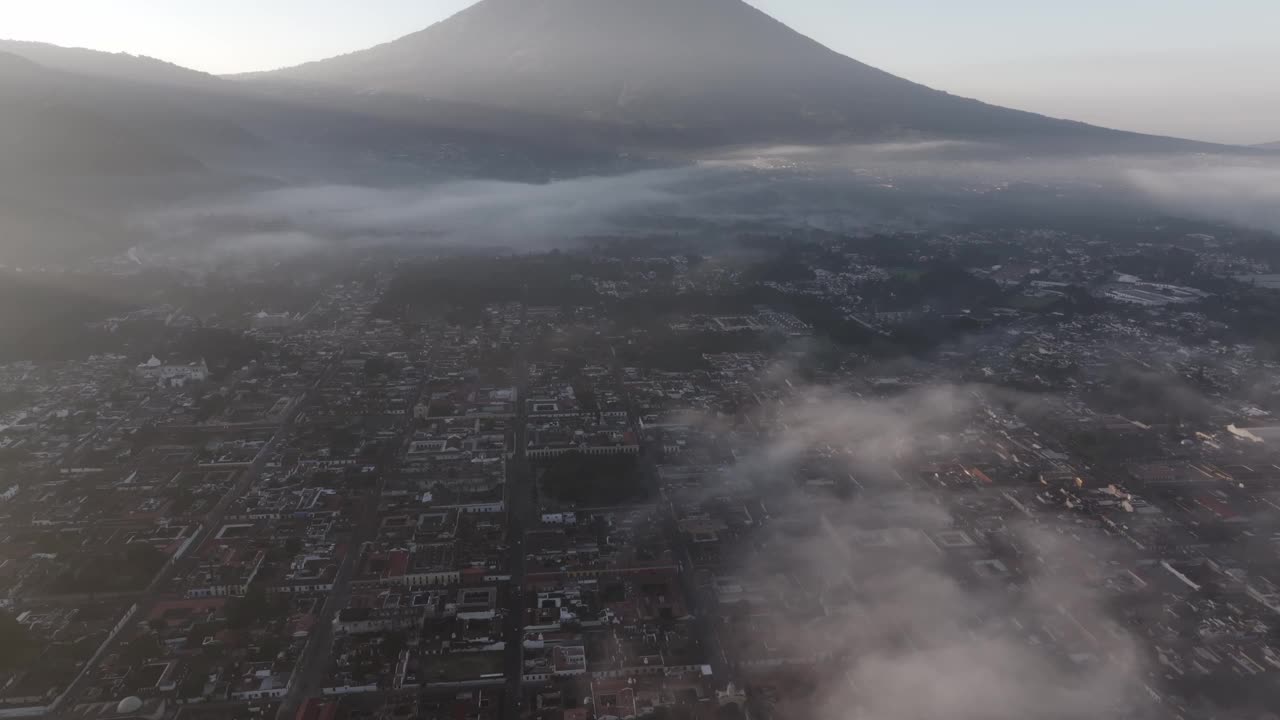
[[1197, 68]]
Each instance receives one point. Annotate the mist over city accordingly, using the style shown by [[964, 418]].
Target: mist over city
[[614, 359]]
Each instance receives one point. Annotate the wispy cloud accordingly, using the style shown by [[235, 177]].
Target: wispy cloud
[[915, 633], [848, 189], [1247, 195], [476, 213]]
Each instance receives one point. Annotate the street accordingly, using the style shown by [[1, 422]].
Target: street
[[521, 514], [209, 523]]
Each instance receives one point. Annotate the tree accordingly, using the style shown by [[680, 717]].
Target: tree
[[140, 650], [143, 558], [193, 684], [16, 644], [250, 609], [730, 711], [593, 480], [393, 644], [268, 648]]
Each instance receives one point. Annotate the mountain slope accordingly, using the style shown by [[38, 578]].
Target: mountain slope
[[117, 66], [714, 69], [53, 124], [1270, 146], [81, 154]]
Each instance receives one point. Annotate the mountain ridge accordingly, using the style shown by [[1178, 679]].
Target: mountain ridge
[[709, 68], [54, 124], [507, 69], [98, 63]]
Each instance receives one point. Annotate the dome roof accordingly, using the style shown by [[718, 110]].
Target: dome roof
[[129, 705]]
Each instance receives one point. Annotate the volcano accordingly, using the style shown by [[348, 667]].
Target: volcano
[[718, 71]]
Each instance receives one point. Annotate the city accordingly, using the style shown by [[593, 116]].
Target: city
[[610, 484], [639, 360]]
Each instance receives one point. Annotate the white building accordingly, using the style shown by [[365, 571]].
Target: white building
[[172, 374], [271, 321]]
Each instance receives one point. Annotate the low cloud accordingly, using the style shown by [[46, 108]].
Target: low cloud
[[1243, 194], [470, 213], [845, 189], [277, 245], [900, 626], [519, 216], [1242, 189], [493, 211]]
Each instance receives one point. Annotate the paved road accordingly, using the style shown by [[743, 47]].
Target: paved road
[[703, 603], [74, 456], [701, 600], [312, 665], [520, 517], [211, 521]]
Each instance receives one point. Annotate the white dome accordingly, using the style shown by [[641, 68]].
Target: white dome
[[129, 705]]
